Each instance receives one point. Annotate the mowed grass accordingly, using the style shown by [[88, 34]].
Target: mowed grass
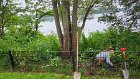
[[17, 75]]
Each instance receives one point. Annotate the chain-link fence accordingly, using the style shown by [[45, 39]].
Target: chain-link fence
[[90, 63], [51, 61], [33, 61]]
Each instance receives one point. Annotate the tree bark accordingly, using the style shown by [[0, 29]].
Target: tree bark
[[57, 22], [66, 28], [66, 39]]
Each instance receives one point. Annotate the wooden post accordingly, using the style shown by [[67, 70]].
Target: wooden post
[[74, 54], [75, 34]]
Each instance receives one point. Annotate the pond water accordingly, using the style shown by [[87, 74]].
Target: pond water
[[92, 25]]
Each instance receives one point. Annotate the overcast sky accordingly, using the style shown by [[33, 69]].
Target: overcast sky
[[90, 26]]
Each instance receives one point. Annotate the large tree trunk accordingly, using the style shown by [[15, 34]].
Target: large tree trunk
[[69, 38], [66, 28], [65, 37]]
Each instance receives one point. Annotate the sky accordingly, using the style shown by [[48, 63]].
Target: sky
[[91, 26]]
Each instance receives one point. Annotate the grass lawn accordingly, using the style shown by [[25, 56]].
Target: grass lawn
[[17, 75]]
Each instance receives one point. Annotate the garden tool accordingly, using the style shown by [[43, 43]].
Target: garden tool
[[125, 71]]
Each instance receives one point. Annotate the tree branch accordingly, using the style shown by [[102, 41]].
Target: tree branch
[[86, 15]]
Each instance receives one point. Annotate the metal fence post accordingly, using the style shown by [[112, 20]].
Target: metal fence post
[[11, 60], [73, 61]]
